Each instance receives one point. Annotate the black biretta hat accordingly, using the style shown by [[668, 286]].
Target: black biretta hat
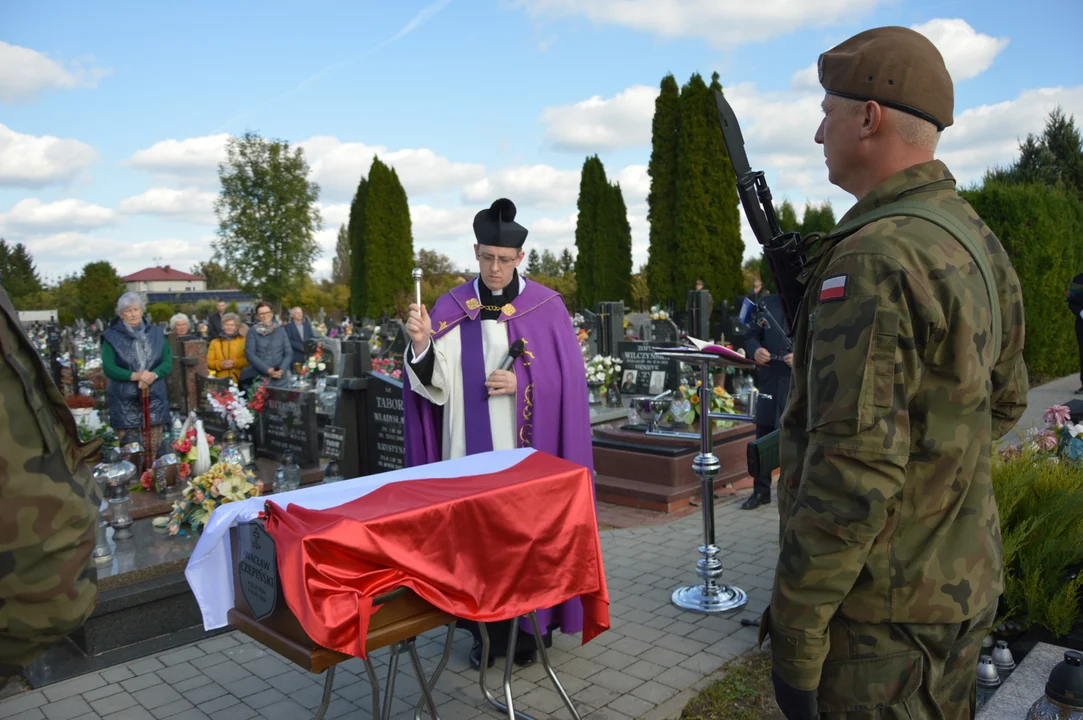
[[496, 226]]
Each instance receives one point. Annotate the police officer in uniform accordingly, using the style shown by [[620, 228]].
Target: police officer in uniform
[[768, 345], [907, 368]]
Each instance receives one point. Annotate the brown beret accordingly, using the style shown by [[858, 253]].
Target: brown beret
[[895, 66]]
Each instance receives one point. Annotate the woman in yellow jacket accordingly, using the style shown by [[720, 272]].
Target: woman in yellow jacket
[[225, 356]]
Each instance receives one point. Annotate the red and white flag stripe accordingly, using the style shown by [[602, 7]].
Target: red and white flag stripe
[[833, 288]]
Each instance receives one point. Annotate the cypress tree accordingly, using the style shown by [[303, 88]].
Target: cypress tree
[[355, 231], [619, 262], [386, 241], [697, 212], [400, 247], [729, 248], [592, 190], [662, 198]]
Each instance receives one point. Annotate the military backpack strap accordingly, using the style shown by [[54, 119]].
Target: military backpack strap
[[952, 225]]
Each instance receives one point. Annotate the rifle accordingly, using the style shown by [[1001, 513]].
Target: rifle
[[784, 251]]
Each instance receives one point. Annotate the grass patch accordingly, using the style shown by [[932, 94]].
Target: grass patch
[[744, 692]]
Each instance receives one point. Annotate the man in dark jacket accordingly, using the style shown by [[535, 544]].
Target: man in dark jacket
[[768, 345], [1075, 302], [298, 330], [48, 507], [214, 321]]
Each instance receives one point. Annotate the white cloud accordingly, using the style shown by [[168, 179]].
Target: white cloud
[[526, 185], [431, 223], [620, 121], [66, 252], [967, 52], [32, 215], [338, 166], [562, 228], [191, 204], [635, 184], [25, 72], [32, 161], [335, 215], [723, 24], [194, 159]]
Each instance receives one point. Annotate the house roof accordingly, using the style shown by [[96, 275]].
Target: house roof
[[154, 274]]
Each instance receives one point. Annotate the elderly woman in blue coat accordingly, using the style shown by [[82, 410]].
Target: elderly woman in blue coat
[[135, 357], [267, 349]]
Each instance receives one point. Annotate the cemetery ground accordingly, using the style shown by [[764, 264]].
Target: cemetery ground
[[656, 662]]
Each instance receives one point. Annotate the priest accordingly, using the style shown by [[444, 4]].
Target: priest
[[460, 400]]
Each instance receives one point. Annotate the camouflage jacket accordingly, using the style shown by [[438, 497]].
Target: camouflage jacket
[[886, 501], [48, 507]]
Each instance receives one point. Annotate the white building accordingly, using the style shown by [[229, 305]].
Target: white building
[[164, 279]]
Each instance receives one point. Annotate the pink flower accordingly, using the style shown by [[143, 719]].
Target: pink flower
[[1048, 440], [1057, 415], [199, 496]]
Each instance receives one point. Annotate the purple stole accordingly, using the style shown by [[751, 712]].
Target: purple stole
[[479, 433]]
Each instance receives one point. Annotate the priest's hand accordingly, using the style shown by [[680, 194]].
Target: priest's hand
[[502, 382], [419, 328]]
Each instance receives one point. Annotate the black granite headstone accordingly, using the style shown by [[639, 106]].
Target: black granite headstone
[[258, 568], [333, 440], [398, 342], [653, 373], [665, 332], [698, 319], [386, 425], [611, 327], [212, 422], [288, 424]]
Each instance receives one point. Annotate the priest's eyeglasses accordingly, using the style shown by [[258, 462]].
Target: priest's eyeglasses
[[493, 259]]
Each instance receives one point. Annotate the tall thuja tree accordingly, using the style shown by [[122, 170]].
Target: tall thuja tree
[[724, 274], [662, 198], [340, 264], [355, 232], [593, 189], [387, 242], [618, 261], [698, 216]]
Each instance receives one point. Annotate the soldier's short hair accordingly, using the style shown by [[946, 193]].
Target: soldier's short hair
[[913, 130]]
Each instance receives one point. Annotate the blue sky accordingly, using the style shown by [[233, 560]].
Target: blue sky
[[113, 115]]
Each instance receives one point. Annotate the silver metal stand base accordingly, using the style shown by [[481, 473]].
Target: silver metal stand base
[[699, 598]]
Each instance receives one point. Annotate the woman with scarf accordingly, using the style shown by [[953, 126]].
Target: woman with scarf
[[225, 356], [267, 349], [135, 357]]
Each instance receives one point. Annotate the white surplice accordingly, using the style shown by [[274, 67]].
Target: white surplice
[[446, 389]]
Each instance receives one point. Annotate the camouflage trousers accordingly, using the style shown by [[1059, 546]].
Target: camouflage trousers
[[897, 671]]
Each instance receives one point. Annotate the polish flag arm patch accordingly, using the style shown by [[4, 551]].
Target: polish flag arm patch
[[833, 288]]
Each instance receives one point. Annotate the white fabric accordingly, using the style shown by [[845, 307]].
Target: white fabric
[[209, 572], [446, 388]]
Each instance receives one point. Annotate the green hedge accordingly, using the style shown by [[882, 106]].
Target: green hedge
[[1042, 230]]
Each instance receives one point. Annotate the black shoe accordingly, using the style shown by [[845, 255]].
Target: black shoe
[[755, 500], [475, 657], [1079, 391], [523, 659]]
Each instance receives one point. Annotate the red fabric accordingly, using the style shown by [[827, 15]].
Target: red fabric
[[463, 544]]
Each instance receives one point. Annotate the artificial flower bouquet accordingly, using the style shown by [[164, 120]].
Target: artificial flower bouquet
[[602, 370], [721, 401], [223, 483], [1060, 438], [657, 313], [315, 363], [387, 366], [231, 406]]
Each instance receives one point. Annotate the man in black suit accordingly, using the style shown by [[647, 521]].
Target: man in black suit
[[298, 330], [768, 345], [214, 321], [1075, 303]]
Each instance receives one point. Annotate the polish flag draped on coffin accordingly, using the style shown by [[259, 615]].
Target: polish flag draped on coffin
[[461, 543]]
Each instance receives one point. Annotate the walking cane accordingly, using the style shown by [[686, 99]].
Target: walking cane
[[148, 448]]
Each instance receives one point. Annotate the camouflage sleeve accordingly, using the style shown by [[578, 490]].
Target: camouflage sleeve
[[1010, 384], [861, 365], [48, 520]]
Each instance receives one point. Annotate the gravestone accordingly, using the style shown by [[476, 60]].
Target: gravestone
[[193, 362], [665, 332], [395, 336], [334, 438], [386, 425], [640, 324], [652, 373], [698, 319], [591, 325], [288, 424], [610, 327], [212, 422]]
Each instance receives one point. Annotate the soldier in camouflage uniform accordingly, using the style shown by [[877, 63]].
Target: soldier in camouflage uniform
[[48, 507], [890, 561]]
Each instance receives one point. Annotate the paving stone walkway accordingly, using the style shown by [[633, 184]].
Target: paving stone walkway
[[653, 660]]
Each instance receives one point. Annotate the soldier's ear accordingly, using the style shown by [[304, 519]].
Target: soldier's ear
[[871, 117]]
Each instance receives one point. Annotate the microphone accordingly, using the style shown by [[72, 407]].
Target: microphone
[[514, 352]]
